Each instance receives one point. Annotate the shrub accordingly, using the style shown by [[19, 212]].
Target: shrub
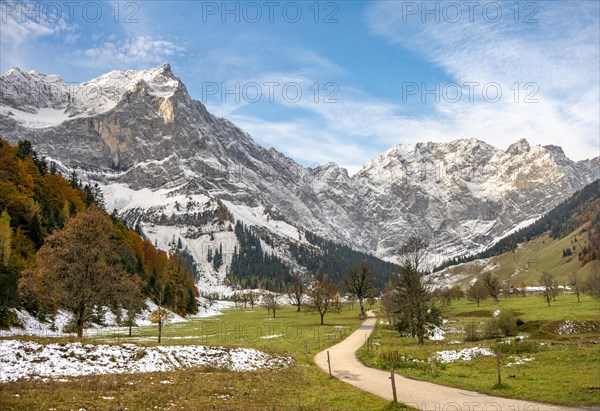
[[506, 323], [471, 332], [518, 347]]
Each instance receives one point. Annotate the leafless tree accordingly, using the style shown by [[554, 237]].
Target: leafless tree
[[251, 296], [575, 283], [359, 283], [550, 286], [270, 301], [321, 295], [592, 283], [295, 291], [161, 315], [389, 304]]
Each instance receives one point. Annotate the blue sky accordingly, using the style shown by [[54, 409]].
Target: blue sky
[[371, 74]]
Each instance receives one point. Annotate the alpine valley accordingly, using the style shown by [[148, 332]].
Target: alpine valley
[[186, 178]]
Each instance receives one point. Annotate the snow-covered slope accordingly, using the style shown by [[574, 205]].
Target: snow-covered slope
[[141, 136]]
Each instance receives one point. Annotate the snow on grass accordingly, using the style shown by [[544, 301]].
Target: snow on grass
[[519, 361], [54, 328], [268, 337], [466, 354], [436, 334], [25, 360]]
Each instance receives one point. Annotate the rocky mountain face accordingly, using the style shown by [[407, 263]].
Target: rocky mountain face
[[163, 159]]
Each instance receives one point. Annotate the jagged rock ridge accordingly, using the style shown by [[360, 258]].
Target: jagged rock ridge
[[140, 134]]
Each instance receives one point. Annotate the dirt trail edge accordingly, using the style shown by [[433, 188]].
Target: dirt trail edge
[[418, 394]]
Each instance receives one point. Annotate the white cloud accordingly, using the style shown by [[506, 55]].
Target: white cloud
[[21, 22], [139, 50], [559, 53]]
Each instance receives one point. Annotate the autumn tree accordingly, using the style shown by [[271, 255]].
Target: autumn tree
[[359, 283], [321, 295], [414, 291], [477, 292], [492, 283], [79, 268], [457, 292]]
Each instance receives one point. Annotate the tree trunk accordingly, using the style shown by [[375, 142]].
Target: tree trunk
[[362, 308], [159, 330], [130, 330], [322, 315]]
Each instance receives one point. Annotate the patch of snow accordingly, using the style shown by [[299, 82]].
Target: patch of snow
[[266, 337], [25, 359], [466, 354], [519, 361], [436, 334]]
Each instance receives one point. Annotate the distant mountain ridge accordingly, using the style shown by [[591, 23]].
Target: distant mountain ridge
[[150, 144]]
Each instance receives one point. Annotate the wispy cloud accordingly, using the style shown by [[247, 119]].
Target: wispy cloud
[[18, 27], [558, 54], [140, 50]]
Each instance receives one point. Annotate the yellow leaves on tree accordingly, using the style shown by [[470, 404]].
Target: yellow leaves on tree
[[79, 268]]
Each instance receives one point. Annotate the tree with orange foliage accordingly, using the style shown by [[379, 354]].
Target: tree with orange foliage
[[79, 268]]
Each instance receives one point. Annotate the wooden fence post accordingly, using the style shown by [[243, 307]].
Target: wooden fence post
[[393, 386], [498, 368], [329, 363]]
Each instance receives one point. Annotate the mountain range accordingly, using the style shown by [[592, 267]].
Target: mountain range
[[163, 162]]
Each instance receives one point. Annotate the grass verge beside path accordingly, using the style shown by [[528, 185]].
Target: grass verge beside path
[[547, 365], [303, 387]]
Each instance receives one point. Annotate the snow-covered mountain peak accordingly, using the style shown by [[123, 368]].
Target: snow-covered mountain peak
[[37, 100], [140, 132], [519, 147]]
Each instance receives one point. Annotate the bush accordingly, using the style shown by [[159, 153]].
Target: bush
[[518, 347], [471, 332], [506, 323]]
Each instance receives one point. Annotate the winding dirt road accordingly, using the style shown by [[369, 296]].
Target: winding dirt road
[[417, 394]]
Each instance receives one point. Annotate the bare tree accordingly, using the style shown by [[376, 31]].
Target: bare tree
[[251, 296], [295, 291], [337, 303], [359, 283], [575, 283], [550, 286], [161, 315], [321, 295], [270, 301], [414, 297], [389, 304], [477, 292], [133, 300], [592, 283]]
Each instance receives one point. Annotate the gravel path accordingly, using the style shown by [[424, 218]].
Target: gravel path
[[417, 394]]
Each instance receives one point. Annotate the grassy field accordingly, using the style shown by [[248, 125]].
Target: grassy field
[[526, 265], [557, 361], [303, 387]]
